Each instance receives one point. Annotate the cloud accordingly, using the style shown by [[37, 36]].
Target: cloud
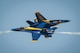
[[69, 33]]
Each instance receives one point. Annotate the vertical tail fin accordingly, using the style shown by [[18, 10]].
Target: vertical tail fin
[[39, 17]]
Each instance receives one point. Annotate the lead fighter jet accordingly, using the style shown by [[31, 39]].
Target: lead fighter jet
[[40, 26]]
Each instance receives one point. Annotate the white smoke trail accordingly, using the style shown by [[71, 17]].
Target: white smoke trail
[[7, 31], [69, 33]]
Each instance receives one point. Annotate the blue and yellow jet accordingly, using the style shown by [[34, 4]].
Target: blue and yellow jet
[[40, 26]]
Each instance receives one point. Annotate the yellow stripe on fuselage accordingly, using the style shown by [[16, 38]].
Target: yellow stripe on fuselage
[[31, 28]]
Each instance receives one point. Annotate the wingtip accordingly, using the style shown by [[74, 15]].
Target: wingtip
[[34, 40], [37, 12], [50, 38], [57, 26]]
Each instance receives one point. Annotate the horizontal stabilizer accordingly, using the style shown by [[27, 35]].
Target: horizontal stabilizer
[[48, 36], [30, 22]]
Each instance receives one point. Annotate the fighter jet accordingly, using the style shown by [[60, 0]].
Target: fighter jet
[[40, 26], [41, 19]]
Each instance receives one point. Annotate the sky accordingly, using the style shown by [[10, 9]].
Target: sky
[[14, 13]]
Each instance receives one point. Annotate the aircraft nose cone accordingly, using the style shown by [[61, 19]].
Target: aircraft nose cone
[[65, 21], [15, 29]]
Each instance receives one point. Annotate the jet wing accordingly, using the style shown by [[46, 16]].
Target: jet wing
[[39, 17], [43, 25], [35, 37]]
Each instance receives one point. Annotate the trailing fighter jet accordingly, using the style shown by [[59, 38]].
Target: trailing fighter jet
[[41, 19], [40, 26]]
